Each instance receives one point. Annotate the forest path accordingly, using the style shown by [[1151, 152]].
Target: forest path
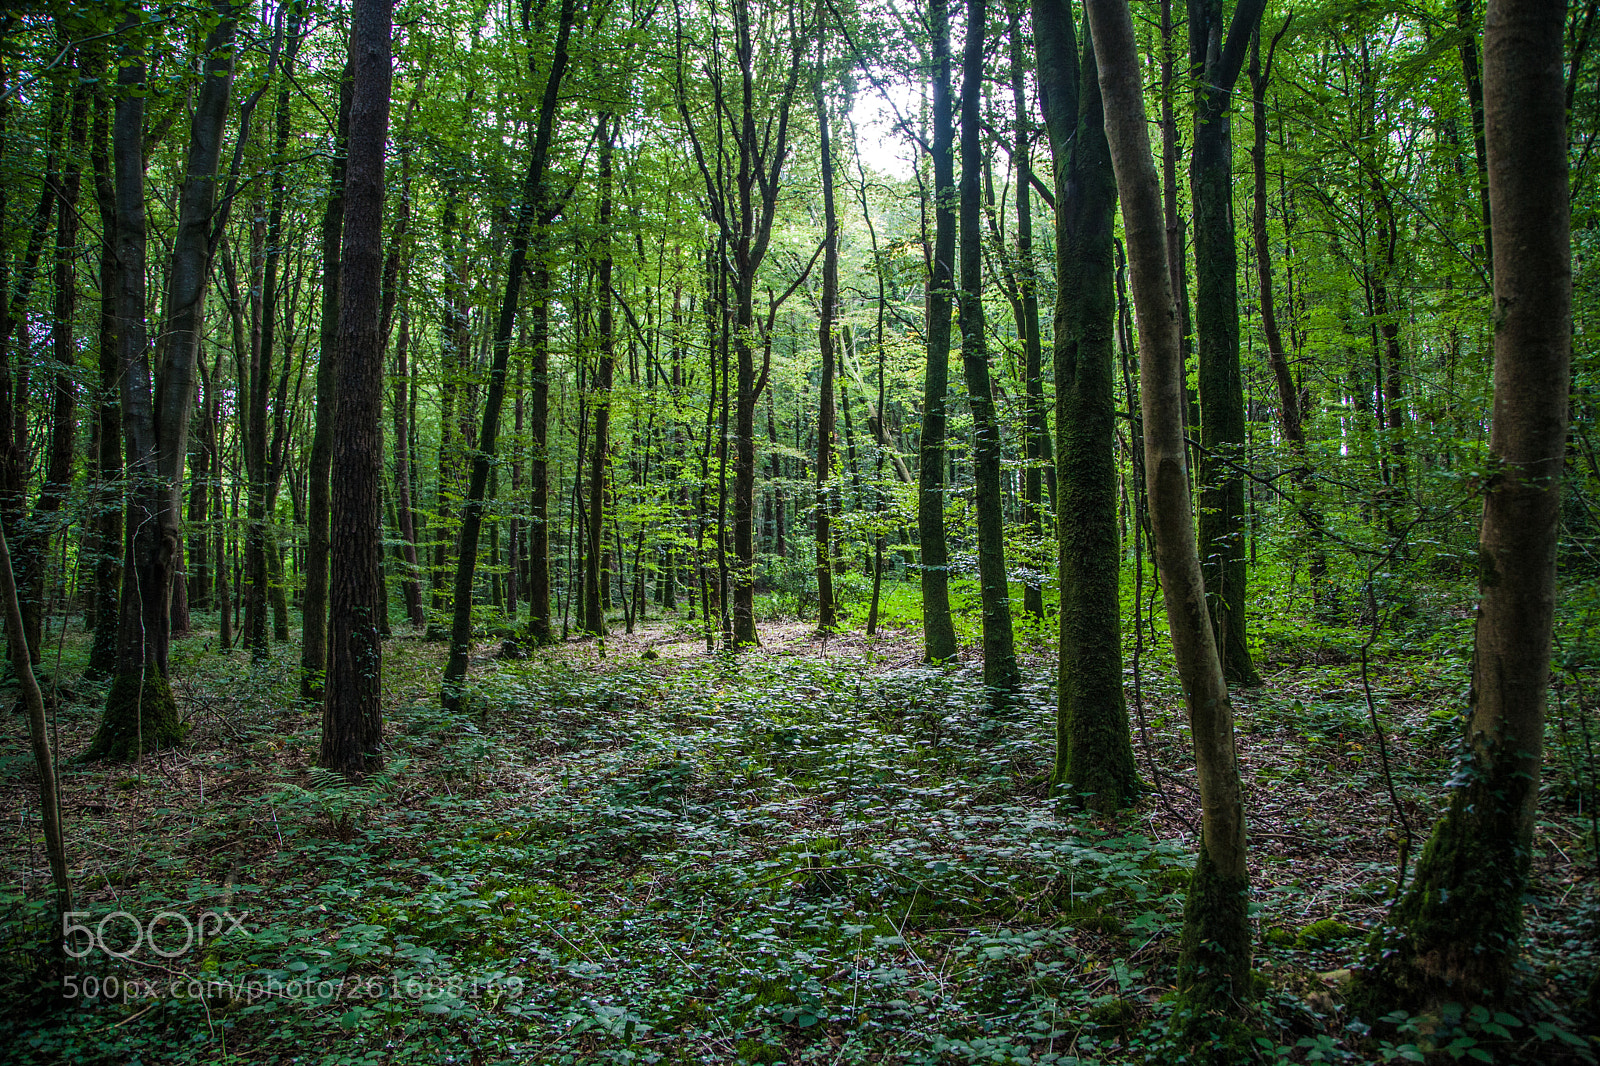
[[680, 640]]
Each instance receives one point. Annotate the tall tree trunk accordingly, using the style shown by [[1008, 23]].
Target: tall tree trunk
[[473, 507], [200, 576], [776, 495], [938, 627], [247, 307], [1290, 416], [1094, 751], [1390, 386], [214, 438], [352, 720], [453, 361], [227, 579], [741, 577], [742, 178], [514, 533], [314, 612], [1222, 416], [1214, 961], [852, 462], [15, 367], [34, 549], [539, 629], [106, 494], [1177, 232], [1000, 673], [1456, 934], [140, 714], [1036, 437], [1467, 27], [396, 277], [827, 615], [596, 579], [410, 584], [259, 539]]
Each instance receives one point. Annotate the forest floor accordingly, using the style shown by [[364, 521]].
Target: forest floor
[[817, 852]]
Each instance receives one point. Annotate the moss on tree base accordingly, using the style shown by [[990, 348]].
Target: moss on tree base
[[1454, 936], [1094, 756], [1214, 956], [140, 716]]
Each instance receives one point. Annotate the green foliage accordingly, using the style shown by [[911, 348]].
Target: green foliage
[[332, 796]]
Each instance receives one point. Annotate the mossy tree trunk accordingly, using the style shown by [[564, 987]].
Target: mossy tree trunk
[[1455, 934], [1214, 963], [1094, 752]]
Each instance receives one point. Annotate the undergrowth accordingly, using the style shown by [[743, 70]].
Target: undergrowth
[[782, 858]]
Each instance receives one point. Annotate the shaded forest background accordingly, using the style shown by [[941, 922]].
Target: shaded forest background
[[657, 512]]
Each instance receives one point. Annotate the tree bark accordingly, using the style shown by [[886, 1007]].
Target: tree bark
[[827, 614], [473, 507], [1214, 963], [352, 720], [314, 612], [1215, 67], [1094, 750], [1456, 933], [1000, 673], [140, 714], [938, 627], [1036, 437]]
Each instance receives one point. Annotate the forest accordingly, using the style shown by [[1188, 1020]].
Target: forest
[[770, 531]]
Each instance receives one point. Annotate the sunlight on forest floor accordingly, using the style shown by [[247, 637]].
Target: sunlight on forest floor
[[817, 852]]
